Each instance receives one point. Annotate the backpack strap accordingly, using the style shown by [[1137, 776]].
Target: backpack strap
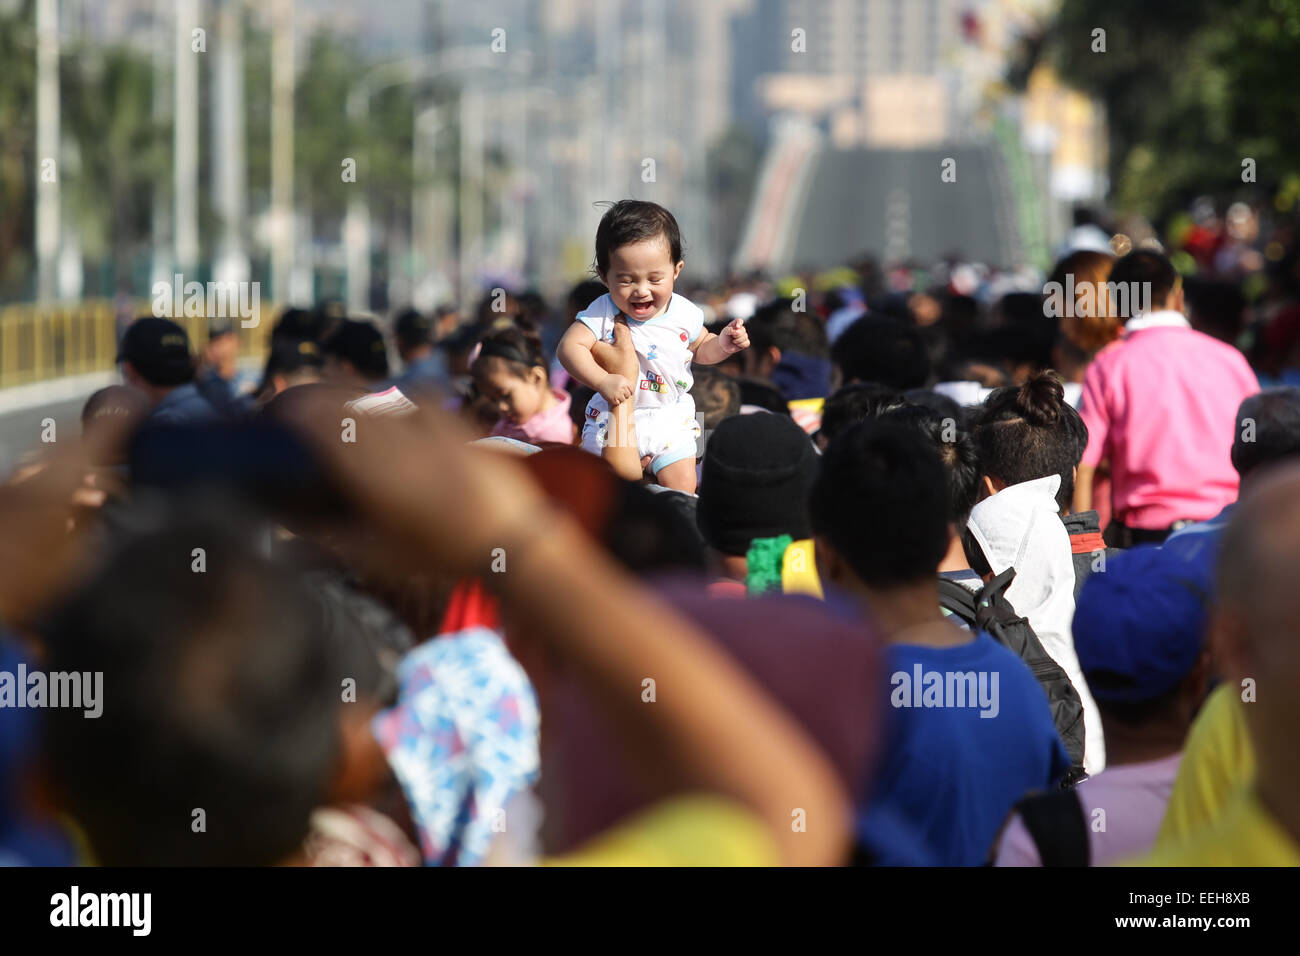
[[996, 585], [1057, 825], [958, 600]]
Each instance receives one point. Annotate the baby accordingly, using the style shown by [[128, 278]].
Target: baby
[[638, 258]]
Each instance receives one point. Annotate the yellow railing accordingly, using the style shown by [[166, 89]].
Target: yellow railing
[[40, 343]]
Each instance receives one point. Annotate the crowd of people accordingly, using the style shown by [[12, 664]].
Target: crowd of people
[[866, 569]]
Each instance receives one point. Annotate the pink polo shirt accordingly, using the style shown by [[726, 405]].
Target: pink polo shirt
[[554, 424], [1161, 404]]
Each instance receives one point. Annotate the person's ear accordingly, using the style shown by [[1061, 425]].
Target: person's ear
[[1174, 302], [677, 270], [989, 486], [830, 566], [773, 356], [537, 376], [1197, 682]]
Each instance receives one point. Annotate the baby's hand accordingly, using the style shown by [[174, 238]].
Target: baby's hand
[[734, 337], [615, 389]]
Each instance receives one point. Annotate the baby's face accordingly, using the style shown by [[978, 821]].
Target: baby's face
[[641, 276]]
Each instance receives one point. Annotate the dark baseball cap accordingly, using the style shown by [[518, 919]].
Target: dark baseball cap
[[1139, 625], [159, 350]]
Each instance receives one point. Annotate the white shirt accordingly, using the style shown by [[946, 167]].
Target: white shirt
[[662, 344], [1019, 527], [1164, 318]]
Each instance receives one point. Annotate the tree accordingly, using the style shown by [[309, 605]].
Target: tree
[[1191, 88]]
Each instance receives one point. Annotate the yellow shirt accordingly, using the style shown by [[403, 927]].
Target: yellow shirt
[[799, 569], [683, 831], [1218, 761], [1245, 835]]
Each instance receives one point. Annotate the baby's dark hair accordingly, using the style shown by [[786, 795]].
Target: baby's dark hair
[[517, 344], [634, 220], [1028, 432]]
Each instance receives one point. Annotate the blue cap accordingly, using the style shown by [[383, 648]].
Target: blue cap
[[1139, 625]]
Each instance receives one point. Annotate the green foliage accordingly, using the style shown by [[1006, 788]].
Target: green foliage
[[18, 171], [1191, 88]]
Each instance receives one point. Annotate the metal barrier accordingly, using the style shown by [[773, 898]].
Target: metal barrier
[[41, 343]]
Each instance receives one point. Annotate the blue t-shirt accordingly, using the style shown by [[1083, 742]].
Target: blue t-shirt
[[969, 733]]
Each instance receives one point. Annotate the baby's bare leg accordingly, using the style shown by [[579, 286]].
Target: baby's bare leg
[[679, 476]]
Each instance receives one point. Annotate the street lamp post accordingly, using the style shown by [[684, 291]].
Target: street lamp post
[[47, 147]]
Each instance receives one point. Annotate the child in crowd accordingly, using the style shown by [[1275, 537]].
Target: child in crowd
[[510, 372], [638, 258], [952, 767]]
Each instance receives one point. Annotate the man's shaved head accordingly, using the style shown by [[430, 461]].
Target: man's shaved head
[[1256, 629]]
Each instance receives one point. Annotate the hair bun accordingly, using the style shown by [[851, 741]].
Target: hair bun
[[1040, 399]]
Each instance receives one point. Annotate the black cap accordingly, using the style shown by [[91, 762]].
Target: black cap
[[288, 356], [159, 350], [300, 324], [758, 471]]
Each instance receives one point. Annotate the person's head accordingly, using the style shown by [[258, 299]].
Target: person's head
[[638, 256], [510, 372], [717, 396], [953, 443], [1013, 352], [216, 700], [355, 354], [110, 405], [582, 295], [365, 642], [221, 352], [301, 324], [446, 319], [1089, 320], [1268, 430], [879, 509], [1255, 626], [1029, 432], [1145, 277], [644, 531], [1139, 631], [290, 362], [883, 350], [776, 330], [413, 334], [1215, 307], [852, 404], [155, 356], [754, 482], [942, 405]]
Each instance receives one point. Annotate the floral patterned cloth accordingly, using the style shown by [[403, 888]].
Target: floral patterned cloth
[[462, 740]]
